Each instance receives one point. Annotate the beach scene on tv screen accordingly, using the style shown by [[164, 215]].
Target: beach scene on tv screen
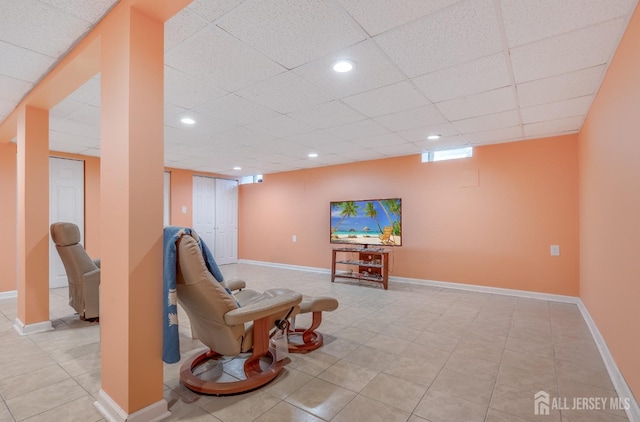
[[369, 222]]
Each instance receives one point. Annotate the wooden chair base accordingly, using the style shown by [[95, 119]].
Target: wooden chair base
[[311, 339], [256, 376]]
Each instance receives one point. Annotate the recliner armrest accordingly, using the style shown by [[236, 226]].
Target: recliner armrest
[[235, 284], [263, 309], [96, 262]]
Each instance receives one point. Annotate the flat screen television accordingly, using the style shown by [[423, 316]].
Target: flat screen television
[[376, 222]]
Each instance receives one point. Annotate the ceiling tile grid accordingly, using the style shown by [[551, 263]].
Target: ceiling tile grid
[[257, 76]]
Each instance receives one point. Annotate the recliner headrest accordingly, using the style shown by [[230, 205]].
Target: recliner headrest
[[65, 234]]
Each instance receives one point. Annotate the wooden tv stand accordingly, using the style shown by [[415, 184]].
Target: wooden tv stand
[[372, 264]]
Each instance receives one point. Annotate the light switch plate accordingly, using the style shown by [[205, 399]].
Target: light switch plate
[[555, 250]]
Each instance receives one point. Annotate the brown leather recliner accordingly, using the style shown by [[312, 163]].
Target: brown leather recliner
[[83, 273]]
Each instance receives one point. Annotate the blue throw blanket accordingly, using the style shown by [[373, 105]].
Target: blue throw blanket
[[170, 337]]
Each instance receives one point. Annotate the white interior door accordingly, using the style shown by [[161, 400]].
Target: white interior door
[[204, 209], [226, 251], [66, 203]]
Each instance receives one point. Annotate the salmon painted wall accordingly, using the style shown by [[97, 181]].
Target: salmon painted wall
[[610, 207], [8, 217], [496, 234]]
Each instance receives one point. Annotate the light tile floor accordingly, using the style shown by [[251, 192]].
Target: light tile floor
[[411, 353]]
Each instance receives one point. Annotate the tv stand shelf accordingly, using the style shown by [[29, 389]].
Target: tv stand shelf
[[372, 263]]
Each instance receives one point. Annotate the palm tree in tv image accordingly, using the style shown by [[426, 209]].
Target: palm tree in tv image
[[370, 211], [347, 209], [392, 206]]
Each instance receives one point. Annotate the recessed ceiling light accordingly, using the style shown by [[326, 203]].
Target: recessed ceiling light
[[342, 66], [434, 137], [312, 155], [237, 168], [187, 120]]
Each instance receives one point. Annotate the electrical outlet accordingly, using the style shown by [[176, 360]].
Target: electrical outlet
[[555, 250], [184, 209], [294, 238]]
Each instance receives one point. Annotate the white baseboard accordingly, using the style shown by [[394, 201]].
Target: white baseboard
[[26, 329], [113, 413], [619, 383], [11, 294]]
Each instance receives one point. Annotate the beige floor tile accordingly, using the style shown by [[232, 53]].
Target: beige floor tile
[[442, 341], [285, 412], [337, 347], [465, 364], [24, 383], [240, 408], [371, 358], [498, 416], [526, 379], [611, 402], [441, 407], [348, 375], [481, 350], [355, 334], [591, 416], [312, 363], [530, 346], [81, 365], [321, 398], [79, 410], [43, 399], [5, 416], [528, 361], [389, 345], [419, 371], [415, 418], [363, 408], [519, 403], [394, 391], [21, 364], [573, 372], [463, 386], [287, 382]]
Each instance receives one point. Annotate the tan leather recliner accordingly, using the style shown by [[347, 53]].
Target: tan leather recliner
[[225, 328], [83, 273]]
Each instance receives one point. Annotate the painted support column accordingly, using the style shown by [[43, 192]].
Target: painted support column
[[131, 196], [33, 220]]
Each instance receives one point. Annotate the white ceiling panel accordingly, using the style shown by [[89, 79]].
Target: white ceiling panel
[[244, 136], [386, 100], [182, 26], [490, 121], [235, 109], [212, 10], [313, 139], [285, 93], [363, 155], [200, 56], [455, 141], [292, 32], [50, 31], [87, 91], [339, 147], [489, 102], [469, 78], [397, 150], [13, 89], [377, 16], [281, 126], [89, 11], [89, 115], [496, 135], [356, 130], [463, 32], [65, 107], [332, 113], [558, 110], [411, 119], [6, 106], [565, 53], [372, 69], [561, 87], [21, 63], [187, 92], [420, 134], [93, 152], [381, 140], [62, 146], [204, 126], [526, 21], [59, 138], [553, 127], [73, 127]]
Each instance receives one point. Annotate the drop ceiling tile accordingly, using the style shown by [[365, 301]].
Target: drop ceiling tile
[[200, 56], [87, 114], [62, 146], [6, 107], [73, 127], [339, 147], [281, 126], [70, 139], [212, 10], [495, 135], [86, 92], [285, 93], [331, 159], [363, 155], [488, 102], [93, 152], [187, 92], [90, 11], [455, 141], [171, 157], [332, 113], [13, 89], [558, 110], [565, 53], [490, 121], [420, 134], [313, 139], [377, 16], [411, 119], [463, 32], [526, 21], [398, 150], [561, 87], [244, 136], [204, 126], [388, 99], [39, 27], [372, 69], [553, 127], [465, 79], [357, 130], [181, 26], [378, 141], [235, 109], [65, 107], [23, 64], [293, 32]]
